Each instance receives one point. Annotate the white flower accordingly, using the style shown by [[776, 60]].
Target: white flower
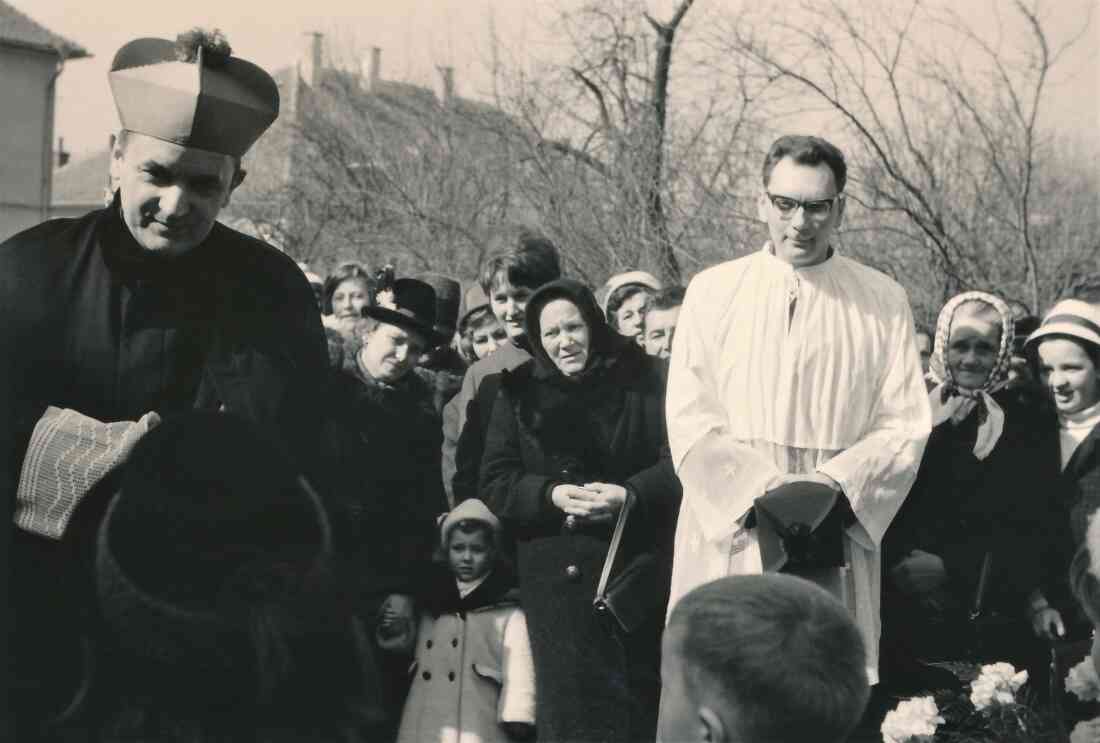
[[997, 684], [386, 298], [913, 720], [1087, 731], [1083, 682]]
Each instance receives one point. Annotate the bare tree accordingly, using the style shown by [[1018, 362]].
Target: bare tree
[[946, 121]]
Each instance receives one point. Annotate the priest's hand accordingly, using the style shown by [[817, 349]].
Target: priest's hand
[[919, 573]]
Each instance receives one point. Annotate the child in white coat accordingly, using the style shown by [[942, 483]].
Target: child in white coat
[[473, 677]]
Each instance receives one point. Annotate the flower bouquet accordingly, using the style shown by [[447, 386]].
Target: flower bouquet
[[997, 709]]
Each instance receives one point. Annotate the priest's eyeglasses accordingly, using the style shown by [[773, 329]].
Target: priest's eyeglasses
[[787, 207]]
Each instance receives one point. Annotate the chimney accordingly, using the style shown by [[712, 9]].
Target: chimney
[[448, 75], [310, 65], [374, 70], [62, 155]]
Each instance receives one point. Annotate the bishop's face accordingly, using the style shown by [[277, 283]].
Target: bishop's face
[[171, 194]]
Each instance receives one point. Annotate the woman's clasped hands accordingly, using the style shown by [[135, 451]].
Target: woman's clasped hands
[[591, 503]]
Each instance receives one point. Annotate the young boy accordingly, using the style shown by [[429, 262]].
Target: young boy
[[761, 659], [474, 678], [509, 277]]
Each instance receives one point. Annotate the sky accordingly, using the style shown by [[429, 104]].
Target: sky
[[418, 35]]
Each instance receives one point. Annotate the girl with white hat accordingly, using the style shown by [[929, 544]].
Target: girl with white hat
[[1067, 346]]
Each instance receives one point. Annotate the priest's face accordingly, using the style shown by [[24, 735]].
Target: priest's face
[[171, 194], [802, 208]]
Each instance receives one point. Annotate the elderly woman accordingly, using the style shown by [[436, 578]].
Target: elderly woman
[[574, 433], [965, 539], [383, 482]]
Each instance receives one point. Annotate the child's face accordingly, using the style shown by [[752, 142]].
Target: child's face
[[470, 555], [509, 303], [488, 337], [972, 350], [1068, 374]]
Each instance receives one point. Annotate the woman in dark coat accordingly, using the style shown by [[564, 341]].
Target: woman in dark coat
[[573, 433], [383, 486], [965, 539]]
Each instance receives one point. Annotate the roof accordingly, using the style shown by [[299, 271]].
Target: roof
[[82, 182], [17, 29]]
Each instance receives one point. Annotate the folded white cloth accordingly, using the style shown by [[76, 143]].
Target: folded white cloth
[[69, 453]]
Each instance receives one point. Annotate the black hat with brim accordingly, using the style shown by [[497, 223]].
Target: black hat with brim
[[409, 304]]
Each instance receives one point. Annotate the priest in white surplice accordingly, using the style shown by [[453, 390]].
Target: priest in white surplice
[[794, 363]]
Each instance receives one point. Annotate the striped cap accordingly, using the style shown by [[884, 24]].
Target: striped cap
[[1072, 317]]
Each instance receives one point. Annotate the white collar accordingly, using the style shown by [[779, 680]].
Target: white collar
[[1087, 418], [465, 588]]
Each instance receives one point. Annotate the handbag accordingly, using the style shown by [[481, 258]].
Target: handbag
[[631, 597]]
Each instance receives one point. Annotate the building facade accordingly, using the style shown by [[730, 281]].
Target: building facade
[[32, 58]]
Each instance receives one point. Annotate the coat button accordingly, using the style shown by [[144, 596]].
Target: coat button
[[451, 675], [570, 522], [429, 644], [454, 642], [427, 675], [573, 572]]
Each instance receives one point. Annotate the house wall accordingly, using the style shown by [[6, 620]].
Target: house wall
[[26, 120]]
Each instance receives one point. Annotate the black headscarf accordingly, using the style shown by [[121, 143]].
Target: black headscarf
[[605, 345], [574, 417]]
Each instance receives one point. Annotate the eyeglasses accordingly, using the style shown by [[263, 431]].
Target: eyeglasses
[[787, 206]]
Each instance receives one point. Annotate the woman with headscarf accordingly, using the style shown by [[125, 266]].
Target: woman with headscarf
[[574, 433], [959, 556]]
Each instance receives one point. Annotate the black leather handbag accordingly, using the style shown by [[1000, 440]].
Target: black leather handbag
[[630, 598]]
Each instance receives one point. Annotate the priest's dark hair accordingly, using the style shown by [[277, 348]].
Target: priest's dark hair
[[523, 257], [807, 150], [781, 654]]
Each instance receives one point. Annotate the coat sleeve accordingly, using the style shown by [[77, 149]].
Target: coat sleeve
[[877, 472], [471, 440], [720, 477], [515, 495], [454, 420], [517, 695]]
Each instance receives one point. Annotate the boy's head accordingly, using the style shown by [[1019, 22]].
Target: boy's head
[[761, 658], [469, 539], [522, 262], [661, 319]]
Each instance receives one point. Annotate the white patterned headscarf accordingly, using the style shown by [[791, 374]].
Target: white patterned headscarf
[[950, 401]]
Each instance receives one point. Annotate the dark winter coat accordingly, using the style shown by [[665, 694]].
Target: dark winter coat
[[381, 457], [962, 509], [1074, 496], [91, 322], [594, 682]]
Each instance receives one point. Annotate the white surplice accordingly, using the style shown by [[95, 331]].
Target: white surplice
[[757, 390]]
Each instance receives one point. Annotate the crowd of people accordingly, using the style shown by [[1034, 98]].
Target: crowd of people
[[532, 508]]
